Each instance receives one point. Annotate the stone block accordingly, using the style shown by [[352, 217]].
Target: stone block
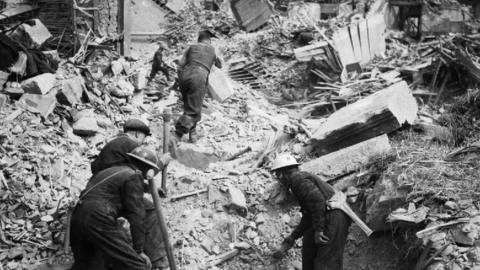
[[42, 104], [40, 84], [71, 91]]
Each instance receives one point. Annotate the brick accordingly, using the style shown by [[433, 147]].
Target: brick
[[40, 84]]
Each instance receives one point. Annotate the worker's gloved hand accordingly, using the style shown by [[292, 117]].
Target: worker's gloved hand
[[282, 250], [147, 260], [321, 238], [165, 159]]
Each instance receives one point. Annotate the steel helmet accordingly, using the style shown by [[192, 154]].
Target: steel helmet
[[144, 155], [136, 125], [284, 160]]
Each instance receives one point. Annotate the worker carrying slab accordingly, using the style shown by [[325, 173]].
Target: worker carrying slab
[[324, 230], [97, 240], [115, 153], [194, 69]]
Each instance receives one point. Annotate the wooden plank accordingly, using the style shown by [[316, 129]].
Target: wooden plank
[[341, 39], [376, 29], [349, 159], [364, 42], [379, 113], [355, 38], [305, 53]]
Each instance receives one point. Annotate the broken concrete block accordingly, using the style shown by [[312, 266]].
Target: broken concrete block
[[237, 199], [194, 157], [35, 32], [349, 159], [40, 84], [71, 91], [251, 14], [140, 79], [116, 67], [377, 114], [123, 88], [86, 123], [52, 55], [42, 104], [219, 85]]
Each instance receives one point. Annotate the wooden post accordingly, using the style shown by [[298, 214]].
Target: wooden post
[[124, 26], [161, 222], [167, 115]]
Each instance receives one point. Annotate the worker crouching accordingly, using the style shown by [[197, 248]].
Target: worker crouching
[[97, 240], [324, 231]]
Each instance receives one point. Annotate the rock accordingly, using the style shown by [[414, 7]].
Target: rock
[[116, 67], [194, 157], [86, 124], [474, 254], [286, 218], [34, 33], [241, 245], [123, 88], [451, 205], [15, 253], [17, 129], [47, 218], [71, 91], [42, 104], [260, 219], [237, 199], [463, 238], [40, 84], [140, 79]]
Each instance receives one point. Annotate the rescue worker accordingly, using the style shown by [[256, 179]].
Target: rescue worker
[[194, 68], [158, 64], [324, 231], [96, 238], [115, 152]]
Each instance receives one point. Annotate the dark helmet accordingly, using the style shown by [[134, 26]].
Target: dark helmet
[[136, 125], [145, 156]]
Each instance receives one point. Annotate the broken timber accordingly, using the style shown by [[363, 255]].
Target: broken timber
[[305, 53], [379, 113], [251, 14], [349, 159]]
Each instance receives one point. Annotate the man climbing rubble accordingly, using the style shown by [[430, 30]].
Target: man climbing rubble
[[194, 68], [115, 153], [324, 231], [96, 238], [158, 64]]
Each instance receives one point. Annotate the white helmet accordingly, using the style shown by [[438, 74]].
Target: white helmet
[[284, 160]]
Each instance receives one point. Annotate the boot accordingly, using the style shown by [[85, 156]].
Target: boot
[[194, 136]]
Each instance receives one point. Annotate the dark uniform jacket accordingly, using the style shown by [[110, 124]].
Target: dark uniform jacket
[[312, 194], [114, 153], [203, 55], [119, 196]]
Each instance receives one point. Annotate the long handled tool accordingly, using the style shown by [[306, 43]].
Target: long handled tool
[[161, 222], [339, 201], [167, 116]]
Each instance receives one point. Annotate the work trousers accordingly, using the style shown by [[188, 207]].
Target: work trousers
[[98, 241], [193, 86], [330, 255], [159, 67]]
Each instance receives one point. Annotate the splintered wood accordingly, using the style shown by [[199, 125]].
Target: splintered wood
[[379, 113]]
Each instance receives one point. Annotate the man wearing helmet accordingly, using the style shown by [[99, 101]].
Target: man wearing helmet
[[115, 153], [193, 71], [324, 231], [96, 238]]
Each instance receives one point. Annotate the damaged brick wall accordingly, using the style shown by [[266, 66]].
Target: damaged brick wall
[[106, 18]]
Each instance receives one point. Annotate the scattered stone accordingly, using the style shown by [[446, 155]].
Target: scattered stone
[[15, 253], [42, 104], [123, 88], [71, 91], [451, 205], [194, 157], [237, 199], [40, 84], [86, 125]]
